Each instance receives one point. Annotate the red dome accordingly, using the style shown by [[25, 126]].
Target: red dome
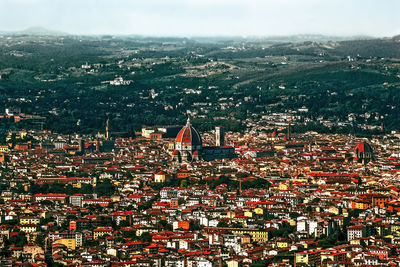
[[189, 135], [364, 152], [363, 147]]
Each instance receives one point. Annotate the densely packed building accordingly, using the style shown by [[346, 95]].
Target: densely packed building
[[270, 199]]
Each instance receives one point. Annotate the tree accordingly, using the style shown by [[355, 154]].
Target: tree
[[261, 263], [145, 237], [40, 240], [105, 188], [393, 251], [124, 223], [183, 183], [332, 239], [222, 224], [19, 240], [86, 189], [284, 230], [237, 225], [294, 215], [166, 225], [316, 200], [267, 215], [194, 226]]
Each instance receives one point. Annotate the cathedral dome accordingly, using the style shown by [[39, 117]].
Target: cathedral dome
[[188, 137], [363, 147], [364, 152]]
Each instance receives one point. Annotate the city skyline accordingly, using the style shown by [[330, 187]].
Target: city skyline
[[200, 133]]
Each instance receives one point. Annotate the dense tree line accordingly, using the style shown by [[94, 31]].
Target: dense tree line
[[45, 79]]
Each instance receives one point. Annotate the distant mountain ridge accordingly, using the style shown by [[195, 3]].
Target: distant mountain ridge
[[285, 38], [38, 31]]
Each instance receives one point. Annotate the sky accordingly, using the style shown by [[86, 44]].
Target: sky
[[379, 18]]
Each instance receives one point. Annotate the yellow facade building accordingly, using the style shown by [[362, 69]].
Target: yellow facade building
[[70, 243], [29, 220]]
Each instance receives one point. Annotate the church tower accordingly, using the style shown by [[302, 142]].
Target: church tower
[[219, 136], [107, 130]]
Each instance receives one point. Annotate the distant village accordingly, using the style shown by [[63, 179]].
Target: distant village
[[174, 196]]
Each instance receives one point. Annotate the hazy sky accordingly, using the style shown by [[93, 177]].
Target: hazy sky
[[205, 17]]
